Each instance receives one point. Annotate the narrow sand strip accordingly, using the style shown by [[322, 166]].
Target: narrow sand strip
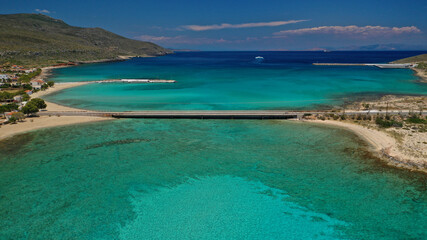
[[58, 87], [421, 73], [35, 123], [379, 140], [384, 145]]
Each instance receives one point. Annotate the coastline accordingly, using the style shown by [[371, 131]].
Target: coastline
[[46, 71], [57, 87], [383, 145], [420, 73], [36, 123]]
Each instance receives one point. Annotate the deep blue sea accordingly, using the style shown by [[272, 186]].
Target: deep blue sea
[[212, 179], [235, 81]]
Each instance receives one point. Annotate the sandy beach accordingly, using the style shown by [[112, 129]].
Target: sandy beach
[[30, 124], [57, 87], [421, 73], [384, 145], [35, 123]]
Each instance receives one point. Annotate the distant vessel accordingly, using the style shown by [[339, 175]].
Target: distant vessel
[[259, 59]]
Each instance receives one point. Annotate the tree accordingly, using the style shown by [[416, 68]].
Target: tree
[[18, 116], [30, 108], [40, 104], [27, 87], [6, 96], [12, 120], [50, 83], [45, 86], [25, 97], [8, 107]]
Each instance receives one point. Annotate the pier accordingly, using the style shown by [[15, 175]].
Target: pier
[[339, 64], [135, 81], [224, 114], [216, 114], [378, 65]]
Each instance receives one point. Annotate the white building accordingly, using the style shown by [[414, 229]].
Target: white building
[[4, 76], [37, 84], [17, 99]]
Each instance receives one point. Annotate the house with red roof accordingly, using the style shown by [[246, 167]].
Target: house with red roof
[[8, 115], [37, 84]]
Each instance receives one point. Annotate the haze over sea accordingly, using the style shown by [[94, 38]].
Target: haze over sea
[[235, 81], [212, 179]]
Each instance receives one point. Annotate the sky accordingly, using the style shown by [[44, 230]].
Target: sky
[[247, 24]]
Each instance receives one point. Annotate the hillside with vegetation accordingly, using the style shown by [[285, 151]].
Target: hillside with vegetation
[[414, 59], [421, 67], [37, 39]]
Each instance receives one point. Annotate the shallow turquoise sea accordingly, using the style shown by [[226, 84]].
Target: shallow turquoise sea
[[204, 179], [211, 179], [233, 81]]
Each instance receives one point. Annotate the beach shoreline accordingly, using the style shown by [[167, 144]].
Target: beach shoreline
[[421, 74], [382, 144], [57, 87], [41, 122]]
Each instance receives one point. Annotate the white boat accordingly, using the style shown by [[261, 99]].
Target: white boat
[[259, 58]]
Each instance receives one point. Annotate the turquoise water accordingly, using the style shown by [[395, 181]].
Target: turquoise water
[[233, 81], [203, 179], [212, 179]]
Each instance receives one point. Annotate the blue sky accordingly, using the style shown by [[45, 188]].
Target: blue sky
[[248, 25]]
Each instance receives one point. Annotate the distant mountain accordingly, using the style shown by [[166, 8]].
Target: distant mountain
[[185, 50], [382, 47], [33, 39]]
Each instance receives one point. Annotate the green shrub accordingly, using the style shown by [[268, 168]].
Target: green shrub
[[29, 76], [30, 108], [8, 107], [39, 103], [416, 119], [388, 123], [12, 120]]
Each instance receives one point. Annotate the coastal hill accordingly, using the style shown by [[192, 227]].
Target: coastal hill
[[37, 39], [421, 68], [418, 58]]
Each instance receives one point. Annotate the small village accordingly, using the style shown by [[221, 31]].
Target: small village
[[17, 84]]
